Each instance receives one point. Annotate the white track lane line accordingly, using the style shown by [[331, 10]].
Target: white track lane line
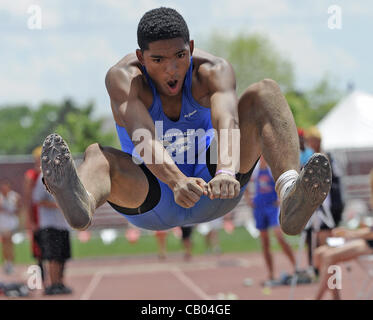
[[92, 286], [190, 284]]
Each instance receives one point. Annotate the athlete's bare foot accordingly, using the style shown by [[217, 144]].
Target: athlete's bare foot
[[62, 181], [307, 193]]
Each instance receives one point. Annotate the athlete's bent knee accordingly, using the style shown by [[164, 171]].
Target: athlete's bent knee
[[93, 149], [268, 85], [259, 92]]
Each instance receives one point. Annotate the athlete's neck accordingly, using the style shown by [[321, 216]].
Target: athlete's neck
[[171, 105]]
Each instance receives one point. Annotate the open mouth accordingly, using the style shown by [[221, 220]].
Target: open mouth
[[172, 84]]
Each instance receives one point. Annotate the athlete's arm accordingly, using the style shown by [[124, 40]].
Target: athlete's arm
[[224, 116], [130, 112]]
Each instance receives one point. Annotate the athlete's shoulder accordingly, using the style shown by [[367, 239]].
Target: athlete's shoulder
[[208, 63], [213, 70], [123, 77]]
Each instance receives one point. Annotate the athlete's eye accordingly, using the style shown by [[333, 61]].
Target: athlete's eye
[[181, 55], [157, 60]]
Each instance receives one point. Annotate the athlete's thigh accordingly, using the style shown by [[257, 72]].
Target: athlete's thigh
[[250, 148], [129, 185], [164, 213], [206, 209]]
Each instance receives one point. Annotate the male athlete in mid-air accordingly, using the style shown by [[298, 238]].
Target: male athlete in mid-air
[[164, 97]]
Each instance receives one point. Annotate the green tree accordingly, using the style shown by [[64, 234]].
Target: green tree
[[310, 106], [322, 98], [15, 127], [23, 128], [253, 58], [300, 108], [81, 130]]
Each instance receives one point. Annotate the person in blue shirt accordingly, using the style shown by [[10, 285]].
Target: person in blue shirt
[[189, 144], [266, 214]]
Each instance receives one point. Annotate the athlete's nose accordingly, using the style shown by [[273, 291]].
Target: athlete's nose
[[171, 68]]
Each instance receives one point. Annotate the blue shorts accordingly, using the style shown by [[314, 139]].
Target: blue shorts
[[266, 216], [160, 211]]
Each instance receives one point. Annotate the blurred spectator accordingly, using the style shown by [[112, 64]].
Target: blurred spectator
[[54, 241], [313, 138], [186, 236], [333, 204], [210, 230], [357, 242], [305, 151], [186, 233], [31, 208], [266, 214], [9, 207], [161, 236]]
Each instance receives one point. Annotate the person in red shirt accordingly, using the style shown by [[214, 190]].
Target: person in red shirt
[[31, 208]]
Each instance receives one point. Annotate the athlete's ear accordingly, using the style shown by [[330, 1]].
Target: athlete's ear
[[140, 56], [191, 46]]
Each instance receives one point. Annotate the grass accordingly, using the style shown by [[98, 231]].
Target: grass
[[239, 241]]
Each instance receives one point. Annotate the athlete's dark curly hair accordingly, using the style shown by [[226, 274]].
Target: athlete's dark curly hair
[[161, 24]]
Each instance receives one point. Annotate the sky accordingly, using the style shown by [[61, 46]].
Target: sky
[[50, 49]]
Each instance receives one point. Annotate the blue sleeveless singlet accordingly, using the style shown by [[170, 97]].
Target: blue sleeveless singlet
[[265, 192], [187, 144]]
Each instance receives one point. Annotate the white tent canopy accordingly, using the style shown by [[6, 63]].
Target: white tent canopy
[[349, 124]]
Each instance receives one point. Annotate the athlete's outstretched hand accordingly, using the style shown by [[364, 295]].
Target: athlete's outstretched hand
[[223, 186], [188, 191]]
